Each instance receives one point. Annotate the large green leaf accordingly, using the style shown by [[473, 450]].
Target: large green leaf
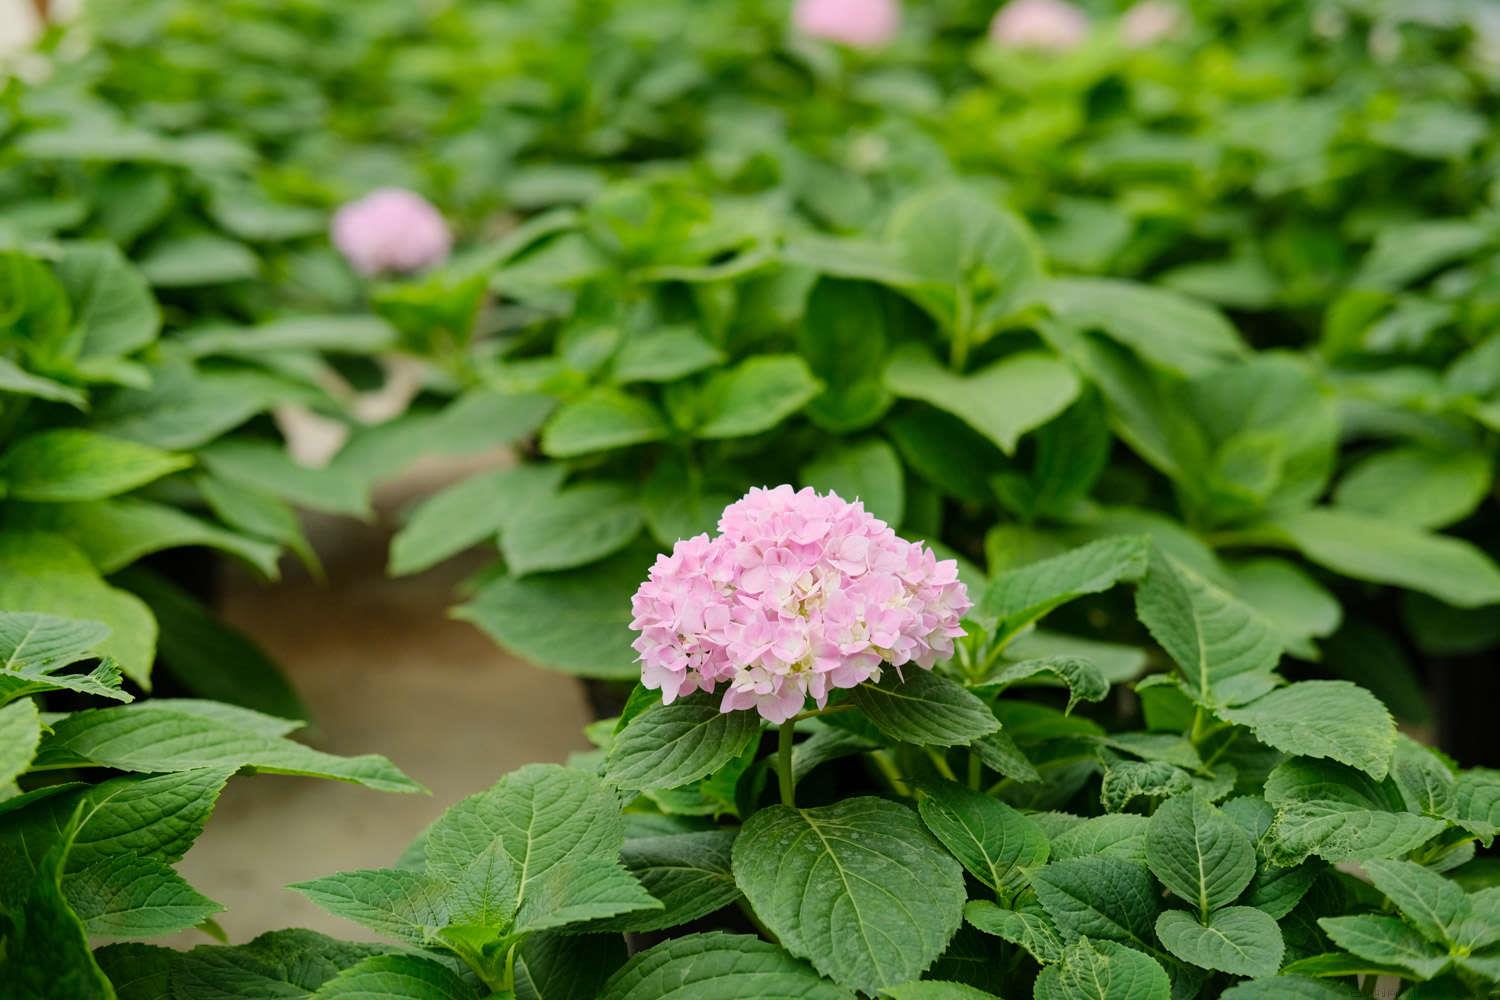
[[580, 891], [1290, 987], [1240, 940], [46, 956], [263, 466], [167, 735], [114, 312], [924, 708], [602, 420], [1388, 551], [1332, 719], [400, 904], [20, 731], [522, 613], [1431, 903], [689, 872], [1199, 853], [1018, 597], [1170, 330], [668, 746], [1103, 970], [1388, 941], [125, 896], [1417, 486], [395, 977], [1224, 648], [61, 465], [857, 888], [755, 395], [580, 525], [843, 338], [1100, 897], [1002, 401], [46, 573], [998, 845], [468, 512], [717, 967]]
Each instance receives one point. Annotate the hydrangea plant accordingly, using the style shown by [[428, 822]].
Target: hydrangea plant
[[965, 822]]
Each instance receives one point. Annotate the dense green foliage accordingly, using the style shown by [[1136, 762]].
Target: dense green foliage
[[1187, 352]]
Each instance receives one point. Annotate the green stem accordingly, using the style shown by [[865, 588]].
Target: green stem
[[976, 772], [784, 763], [818, 712], [941, 763]]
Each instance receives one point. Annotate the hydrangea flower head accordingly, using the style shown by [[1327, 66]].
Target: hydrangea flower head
[[1150, 21], [799, 594], [391, 230], [860, 24], [1050, 25]]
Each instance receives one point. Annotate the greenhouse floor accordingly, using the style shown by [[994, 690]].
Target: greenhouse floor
[[382, 669]]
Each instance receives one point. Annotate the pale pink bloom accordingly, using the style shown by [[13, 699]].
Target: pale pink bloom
[[391, 231], [860, 24], [1051, 25], [1149, 22], [798, 595]]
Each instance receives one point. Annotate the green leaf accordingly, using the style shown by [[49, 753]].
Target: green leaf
[[1386, 551], [61, 465], [1002, 401], [755, 395], [668, 746], [280, 964], [1417, 486], [998, 845], [578, 891], [663, 354], [521, 613], [468, 512], [868, 471], [156, 817], [114, 312], [126, 896], [1026, 927], [1018, 597], [935, 990], [1388, 941], [167, 735], [1224, 648], [1103, 970], [1119, 835], [1127, 780], [843, 338], [924, 709], [546, 815], [1082, 679], [602, 420], [1333, 719], [999, 752], [115, 533], [47, 574], [689, 872], [1099, 897], [198, 259], [34, 647], [1476, 802], [402, 904], [1406, 251], [332, 334], [717, 967], [677, 503], [46, 956], [18, 381], [1289, 987], [580, 525], [208, 657], [1199, 853], [395, 977], [1300, 607], [858, 888], [20, 731], [567, 966], [259, 515], [1433, 904], [1170, 330], [259, 465], [1240, 940]]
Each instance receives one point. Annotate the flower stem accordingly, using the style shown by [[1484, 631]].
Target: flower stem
[[784, 763]]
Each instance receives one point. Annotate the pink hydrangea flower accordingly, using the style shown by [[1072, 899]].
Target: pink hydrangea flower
[[1051, 25], [1149, 22], [391, 230], [860, 24], [799, 594]]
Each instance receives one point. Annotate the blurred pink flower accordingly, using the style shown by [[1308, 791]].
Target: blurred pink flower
[[861, 24], [1149, 22], [1052, 25], [391, 230], [798, 595]]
